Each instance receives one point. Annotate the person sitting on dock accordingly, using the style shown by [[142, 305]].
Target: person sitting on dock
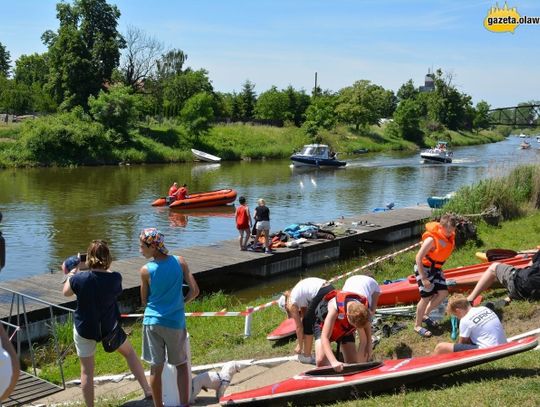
[[365, 286], [300, 304], [522, 284], [438, 244], [338, 315], [182, 192], [479, 327]]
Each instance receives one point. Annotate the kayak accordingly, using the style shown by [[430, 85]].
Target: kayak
[[200, 200], [323, 385], [460, 279]]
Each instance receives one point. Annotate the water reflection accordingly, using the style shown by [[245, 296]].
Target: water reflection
[[50, 213]]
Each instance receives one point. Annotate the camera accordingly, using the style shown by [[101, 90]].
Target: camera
[[83, 257]]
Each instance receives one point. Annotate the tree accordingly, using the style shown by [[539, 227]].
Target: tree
[[407, 120], [171, 63], [178, 89], [30, 69], [198, 113], [4, 61], [115, 109], [407, 91], [320, 114], [298, 103], [247, 100], [273, 105], [364, 103], [139, 60], [84, 51]]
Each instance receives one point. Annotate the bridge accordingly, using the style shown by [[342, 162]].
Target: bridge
[[516, 116]]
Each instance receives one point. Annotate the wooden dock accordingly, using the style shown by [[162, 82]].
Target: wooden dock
[[213, 264]]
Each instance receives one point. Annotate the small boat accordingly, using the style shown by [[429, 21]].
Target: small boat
[[538, 139], [438, 154], [200, 200], [439, 201], [522, 135], [361, 151], [525, 145], [405, 291], [202, 156], [323, 384], [316, 155]]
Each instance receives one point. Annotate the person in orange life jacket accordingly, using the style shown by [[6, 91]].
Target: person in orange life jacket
[[522, 284], [437, 246], [338, 316], [182, 192], [243, 223], [479, 327], [173, 189]]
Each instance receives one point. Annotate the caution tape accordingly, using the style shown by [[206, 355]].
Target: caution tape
[[377, 260]]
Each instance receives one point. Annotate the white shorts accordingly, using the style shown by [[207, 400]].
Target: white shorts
[[85, 347], [263, 225]]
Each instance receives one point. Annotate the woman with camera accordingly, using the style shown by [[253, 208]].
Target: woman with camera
[[97, 317]]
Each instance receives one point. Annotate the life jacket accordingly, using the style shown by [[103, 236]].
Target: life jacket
[[172, 190], [443, 245], [181, 193], [342, 327]]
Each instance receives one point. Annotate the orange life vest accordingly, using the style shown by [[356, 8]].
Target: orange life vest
[[342, 327], [443, 245]]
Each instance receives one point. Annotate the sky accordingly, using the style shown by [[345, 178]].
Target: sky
[[284, 42]]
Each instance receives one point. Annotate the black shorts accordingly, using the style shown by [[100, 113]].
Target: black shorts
[[309, 318], [437, 279]]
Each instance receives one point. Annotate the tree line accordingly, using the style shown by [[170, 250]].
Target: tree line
[[117, 79]]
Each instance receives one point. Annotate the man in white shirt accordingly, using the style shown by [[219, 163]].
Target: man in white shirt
[[479, 327]]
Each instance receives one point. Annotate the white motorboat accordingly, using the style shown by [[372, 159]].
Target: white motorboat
[[316, 155], [438, 154], [202, 156]]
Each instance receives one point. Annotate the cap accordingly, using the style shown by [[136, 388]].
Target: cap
[[152, 236], [281, 303]]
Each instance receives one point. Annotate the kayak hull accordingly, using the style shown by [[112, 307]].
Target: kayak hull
[[201, 200], [305, 389]]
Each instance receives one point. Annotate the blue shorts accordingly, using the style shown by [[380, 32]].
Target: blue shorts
[[459, 347]]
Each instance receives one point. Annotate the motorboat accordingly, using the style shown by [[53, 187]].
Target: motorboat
[[316, 155], [202, 156], [438, 154], [439, 201]]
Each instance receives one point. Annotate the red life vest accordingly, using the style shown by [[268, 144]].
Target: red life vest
[[181, 193], [443, 245], [172, 190], [342, 327]]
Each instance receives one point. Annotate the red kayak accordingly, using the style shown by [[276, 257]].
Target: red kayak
[[405, 292], [323, 385], [459, 279], [201, 200]]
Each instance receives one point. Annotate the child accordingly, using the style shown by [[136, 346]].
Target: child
[[243, 223], [479, 327], [339, 314]]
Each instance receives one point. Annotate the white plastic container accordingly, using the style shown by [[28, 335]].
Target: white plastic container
[[169, 383]]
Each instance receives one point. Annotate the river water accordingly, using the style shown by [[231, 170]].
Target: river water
[[51, 213]]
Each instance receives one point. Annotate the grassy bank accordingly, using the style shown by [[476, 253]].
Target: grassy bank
[[511, 381], [67, 139]]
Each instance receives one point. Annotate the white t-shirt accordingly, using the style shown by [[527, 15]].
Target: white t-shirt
[[5, 370], [304, 291], [483, 327], [362, 285]]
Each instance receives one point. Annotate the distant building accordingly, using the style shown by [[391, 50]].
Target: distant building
[[429, 83]]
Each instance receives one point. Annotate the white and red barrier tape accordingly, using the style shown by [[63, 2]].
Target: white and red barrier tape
[[251, 310]]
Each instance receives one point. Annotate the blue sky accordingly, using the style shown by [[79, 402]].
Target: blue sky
[[282, 42]]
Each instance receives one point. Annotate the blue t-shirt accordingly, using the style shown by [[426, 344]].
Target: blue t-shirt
[[97, 308], [165, 304]]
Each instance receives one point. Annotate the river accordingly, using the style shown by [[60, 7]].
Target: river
[[51, 213]]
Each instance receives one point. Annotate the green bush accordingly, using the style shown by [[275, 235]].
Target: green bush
[[65, 139]]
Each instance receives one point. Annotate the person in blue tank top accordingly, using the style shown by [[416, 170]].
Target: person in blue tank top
[[164, 323]]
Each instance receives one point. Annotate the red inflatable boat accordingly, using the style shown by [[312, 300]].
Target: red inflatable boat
[[201, 200]]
